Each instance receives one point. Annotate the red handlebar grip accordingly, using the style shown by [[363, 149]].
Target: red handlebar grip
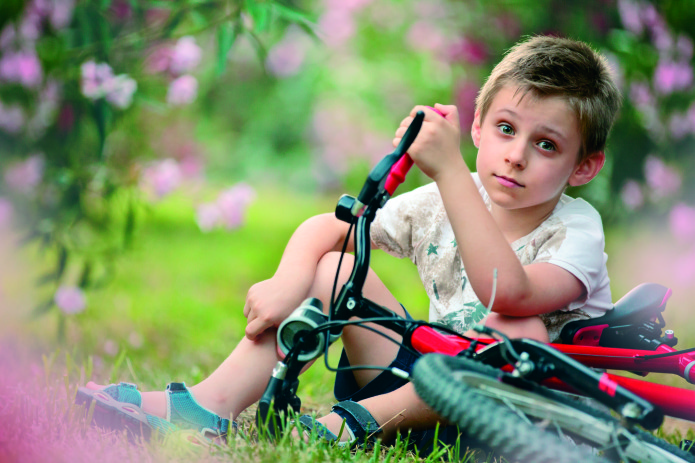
[[401, 168]]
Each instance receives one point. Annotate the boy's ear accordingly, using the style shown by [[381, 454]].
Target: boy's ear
[[475, 129], [588, 169]]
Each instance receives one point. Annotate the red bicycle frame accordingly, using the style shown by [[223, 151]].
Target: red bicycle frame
[[673, 401]]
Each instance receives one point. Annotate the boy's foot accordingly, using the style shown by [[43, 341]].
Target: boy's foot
[[182, 411]]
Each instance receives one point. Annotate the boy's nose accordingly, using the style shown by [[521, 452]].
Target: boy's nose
[[516, 158]]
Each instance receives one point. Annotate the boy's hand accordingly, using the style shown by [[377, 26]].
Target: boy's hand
[[436, 149], [268, 303]]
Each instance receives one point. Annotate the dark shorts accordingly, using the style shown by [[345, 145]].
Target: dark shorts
[[346, 388]]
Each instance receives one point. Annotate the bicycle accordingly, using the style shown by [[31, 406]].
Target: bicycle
[[508, 394]]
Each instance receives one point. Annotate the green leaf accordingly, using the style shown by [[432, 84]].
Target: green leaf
[[292, 15], [260, 13], [85, 277], [129, 225], [62, 262], [226, 36]]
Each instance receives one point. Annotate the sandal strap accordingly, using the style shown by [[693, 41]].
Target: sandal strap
[[358, 419], [185, 412], [309, 424], [124, 392]]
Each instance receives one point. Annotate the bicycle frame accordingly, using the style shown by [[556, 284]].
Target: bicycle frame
[[558, 366]]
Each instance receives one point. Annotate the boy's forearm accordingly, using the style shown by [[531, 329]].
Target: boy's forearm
[[482, 245]]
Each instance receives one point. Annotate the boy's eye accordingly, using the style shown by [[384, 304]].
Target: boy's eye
[[546, 145], [506, 129]]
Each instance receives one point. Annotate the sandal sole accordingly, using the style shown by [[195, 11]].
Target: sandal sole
[[114, 415]]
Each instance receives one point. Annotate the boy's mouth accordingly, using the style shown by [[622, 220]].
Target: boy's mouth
[[508, 182]]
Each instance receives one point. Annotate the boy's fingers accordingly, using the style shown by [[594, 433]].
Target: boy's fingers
[[450, 113], [255, 327]]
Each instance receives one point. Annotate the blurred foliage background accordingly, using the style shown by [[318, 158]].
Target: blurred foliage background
[[155, 155]]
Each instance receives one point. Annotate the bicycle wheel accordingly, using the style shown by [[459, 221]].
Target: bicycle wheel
[[530, 423]]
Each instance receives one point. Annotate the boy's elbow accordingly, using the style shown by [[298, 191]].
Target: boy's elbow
[[510, 302]]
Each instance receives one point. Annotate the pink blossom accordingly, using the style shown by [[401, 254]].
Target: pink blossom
[[468, 50], [430, 9], [232, 204], [661, 179], [120, 91], [7, 37], [95, 79], [287, 56], [337, 26], [61, 14], [682, 222], [630, 15], [135, 340], [631, 194], [208, 216], [70, 300], [185, 56], [508, 25], [12, 118], [110, 348], [161, 178], [641, 94], [684, 47], [684, 268], [182, 90], [158, 60], [466, 92], [671, 76], [23, 177], [22, 67], [228, 210], [680, 125], [6, 212], [121, 10], [348, 5], [425, 36]]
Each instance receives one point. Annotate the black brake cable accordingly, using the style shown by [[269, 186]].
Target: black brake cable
[[331, 305], [667, 354]]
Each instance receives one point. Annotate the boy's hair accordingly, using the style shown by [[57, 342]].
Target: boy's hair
[[553, 66]]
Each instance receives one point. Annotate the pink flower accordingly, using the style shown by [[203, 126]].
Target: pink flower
[[182, 91], [425, 36], [158, 60], [672, 76], [61, 14], [466, 92], [630, 15], [208, 216], [631, 194], [682, 222], [7, 37], [23, 177], [641, 94], [233, 203], [110, 347], [684, 47], [121, 90], [337, 26], [469, 51], [70, 300], [663, 180], [12, 118], [161, 178], [23, 68], [228, 210], [287, 56], [121, 10], [680, 125], [95, 79], [6, 212], [185, 56]]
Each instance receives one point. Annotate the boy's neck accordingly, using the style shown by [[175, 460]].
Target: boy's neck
[[517, 223]]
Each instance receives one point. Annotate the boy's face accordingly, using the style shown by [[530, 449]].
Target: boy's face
[[528, 150]]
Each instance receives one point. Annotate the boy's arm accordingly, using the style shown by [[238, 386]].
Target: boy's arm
[[269, 302], [521, 290]]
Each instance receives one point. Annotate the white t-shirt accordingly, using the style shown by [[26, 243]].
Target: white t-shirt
[[415, 225]]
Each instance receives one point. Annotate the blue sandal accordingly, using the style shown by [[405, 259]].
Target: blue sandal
[[360, 425], [118, 407]]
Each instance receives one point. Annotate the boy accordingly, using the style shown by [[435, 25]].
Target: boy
[[541, 124]]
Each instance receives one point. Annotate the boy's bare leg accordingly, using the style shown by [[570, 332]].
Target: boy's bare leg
[[241, 379]]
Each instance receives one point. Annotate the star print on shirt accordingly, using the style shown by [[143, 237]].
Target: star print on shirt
[[432, 249]]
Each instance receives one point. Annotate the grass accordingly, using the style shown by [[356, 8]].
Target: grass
[[173, 312]]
